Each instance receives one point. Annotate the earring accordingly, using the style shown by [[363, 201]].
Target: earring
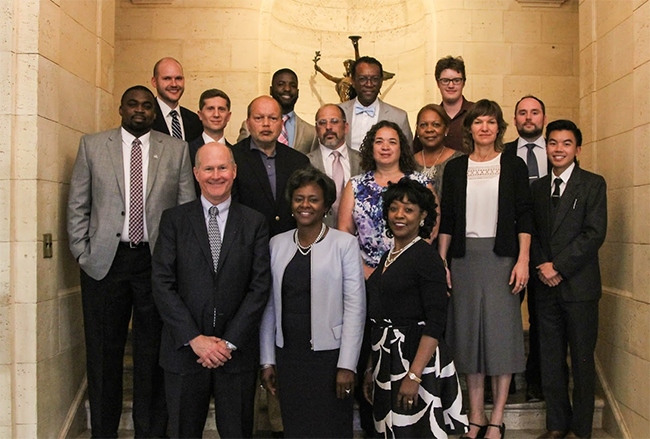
[[421, 223]]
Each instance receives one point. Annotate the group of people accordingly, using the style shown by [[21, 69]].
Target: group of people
[[326, 261]]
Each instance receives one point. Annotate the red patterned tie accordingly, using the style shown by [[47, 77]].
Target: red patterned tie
[[136, 204], [284, 135]]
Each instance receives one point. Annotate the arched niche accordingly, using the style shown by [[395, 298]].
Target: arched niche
[[397, 32]]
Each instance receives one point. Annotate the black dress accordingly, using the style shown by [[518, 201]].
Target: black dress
[[307, 378], [406, 301]]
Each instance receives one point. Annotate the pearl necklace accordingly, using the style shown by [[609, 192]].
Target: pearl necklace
[[305, 250], [394, 254], [431, 171]]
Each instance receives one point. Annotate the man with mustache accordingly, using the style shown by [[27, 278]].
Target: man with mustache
[[367, 109], [333, 156], [171, 118], [295, 133], [121, 182]]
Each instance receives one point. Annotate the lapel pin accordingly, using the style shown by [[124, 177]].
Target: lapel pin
[[155, 156]]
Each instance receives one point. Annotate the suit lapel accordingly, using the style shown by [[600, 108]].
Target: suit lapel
[[155, 155], [348, 109], [234, 221], [197, 220], [384, 111], [282, 172], [117, 159], [355, 162], [567, 199], [259, 172], [297, 138], [318, 160]]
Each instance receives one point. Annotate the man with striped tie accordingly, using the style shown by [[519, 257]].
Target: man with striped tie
[[171, 118]]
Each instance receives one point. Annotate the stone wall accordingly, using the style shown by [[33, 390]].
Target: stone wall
[[58, 55], [615, 118]]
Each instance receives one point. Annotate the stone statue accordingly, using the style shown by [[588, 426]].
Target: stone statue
[[343, 85]]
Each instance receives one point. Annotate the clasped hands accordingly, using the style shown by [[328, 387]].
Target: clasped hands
[[548, 274], [212, 351]]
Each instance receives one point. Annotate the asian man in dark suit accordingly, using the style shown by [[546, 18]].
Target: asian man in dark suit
[[570, 207], [171, 118], [264, 165], [121, 182], [214, 112], [211, 281]]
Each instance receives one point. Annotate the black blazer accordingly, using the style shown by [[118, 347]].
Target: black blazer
[[252, 187], [193, 301], [572, 240], [191, 123], [510, 148], [194, 147], [515, 209]]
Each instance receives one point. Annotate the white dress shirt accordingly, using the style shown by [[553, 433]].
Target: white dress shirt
[[165, 110], [127, 140], [361, 123], [539, 151], [207, 139], [565, 176], [222, 216], [328, 160]]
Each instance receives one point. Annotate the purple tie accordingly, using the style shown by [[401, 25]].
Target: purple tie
[[136, 203]]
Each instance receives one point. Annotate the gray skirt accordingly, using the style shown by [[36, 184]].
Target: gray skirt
[[484, 328]]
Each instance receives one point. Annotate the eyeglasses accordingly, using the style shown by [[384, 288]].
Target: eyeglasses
[[374, 80], [446, 81], [323, 122]]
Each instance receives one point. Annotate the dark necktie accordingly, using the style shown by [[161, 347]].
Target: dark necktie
[[555, 197], [214, 235], [136, 200], [176, 125], [531, 161]]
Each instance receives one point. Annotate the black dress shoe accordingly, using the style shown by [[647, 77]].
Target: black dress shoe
[[502, 429], [534, 394]]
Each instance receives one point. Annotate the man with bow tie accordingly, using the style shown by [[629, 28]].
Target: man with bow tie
[[367, 109]]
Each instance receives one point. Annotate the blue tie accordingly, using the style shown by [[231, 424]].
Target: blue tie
[[360, 109]]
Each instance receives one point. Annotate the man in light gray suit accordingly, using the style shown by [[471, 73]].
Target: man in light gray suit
[[367, 109], [121, 182], [333, 156]]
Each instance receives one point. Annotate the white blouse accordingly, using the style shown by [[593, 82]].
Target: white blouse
[[483, 198]]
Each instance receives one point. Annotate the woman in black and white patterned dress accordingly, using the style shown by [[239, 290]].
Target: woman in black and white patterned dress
[[411, 379]]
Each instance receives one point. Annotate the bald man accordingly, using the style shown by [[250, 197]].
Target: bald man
[[264, 165], [171, 118]]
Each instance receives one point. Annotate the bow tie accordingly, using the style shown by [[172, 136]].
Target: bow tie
[[360, 109]]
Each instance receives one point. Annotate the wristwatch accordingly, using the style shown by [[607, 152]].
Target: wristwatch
[[414, 377]]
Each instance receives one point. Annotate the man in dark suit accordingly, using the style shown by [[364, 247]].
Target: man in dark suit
[[121, 182], [295, 132], [333, 157], [214, 113], [570, 207], [211, 281], [530, 118], [171, 118], [264, 165]]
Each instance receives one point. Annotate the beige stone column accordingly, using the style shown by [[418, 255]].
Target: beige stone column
[[58, 56]]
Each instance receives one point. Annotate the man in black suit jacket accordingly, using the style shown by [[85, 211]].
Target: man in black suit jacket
[[214, 113], [530, 118], [169, 83], [264, 165], [570, 207], [211, 281]]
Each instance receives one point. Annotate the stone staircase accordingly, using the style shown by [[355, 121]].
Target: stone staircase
[[523, 419]]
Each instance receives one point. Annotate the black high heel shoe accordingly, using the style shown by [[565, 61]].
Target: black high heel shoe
[[482, 429], [502, 429]]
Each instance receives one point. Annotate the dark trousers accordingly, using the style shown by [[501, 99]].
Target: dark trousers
[[188, 400], [572, 324], [107, 307], [533, 369]]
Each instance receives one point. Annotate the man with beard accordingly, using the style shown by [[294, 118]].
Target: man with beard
[[333, 156], [296, 133], [171, 118], [530, 118], [367, 109], [122, 180]]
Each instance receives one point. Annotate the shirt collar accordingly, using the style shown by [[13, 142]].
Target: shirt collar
[[128, 138], [521, 142], [326, 152], [208, 139], [291, 114], [566, 175], [166, 109], [223, 207], [375, 104], [254, 147]]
